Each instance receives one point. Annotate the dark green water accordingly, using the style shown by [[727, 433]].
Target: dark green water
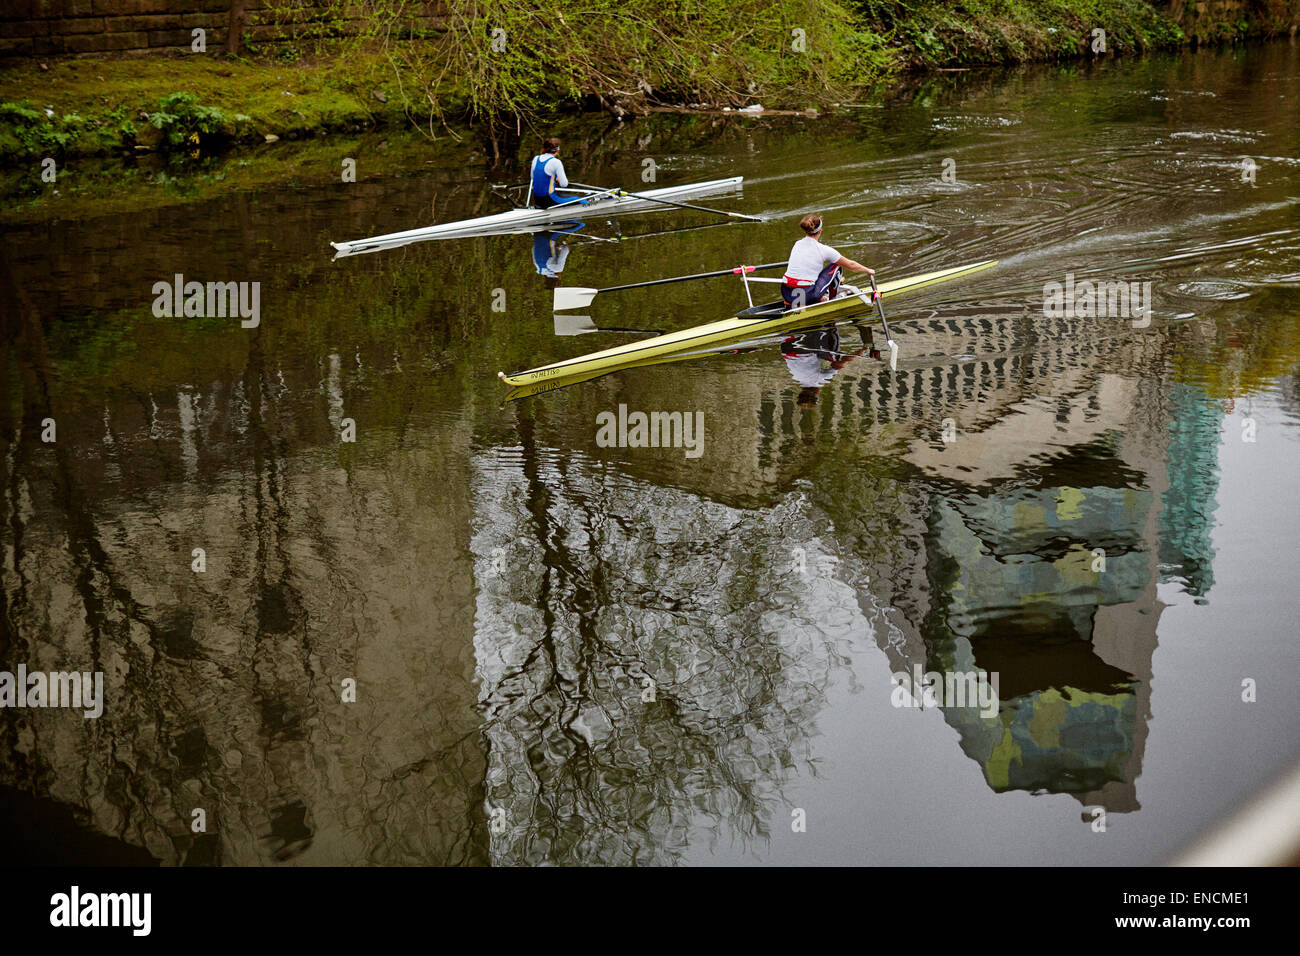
[[500, 585]]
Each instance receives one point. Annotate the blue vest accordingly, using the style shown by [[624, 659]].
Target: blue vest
[[541, 251], [541, 180]]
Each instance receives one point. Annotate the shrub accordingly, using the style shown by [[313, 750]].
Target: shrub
[[183, 120]]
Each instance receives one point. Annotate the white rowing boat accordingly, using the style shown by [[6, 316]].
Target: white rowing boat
[[607, 202]]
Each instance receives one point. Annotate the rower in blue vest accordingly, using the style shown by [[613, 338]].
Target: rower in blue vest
[[548, 175]]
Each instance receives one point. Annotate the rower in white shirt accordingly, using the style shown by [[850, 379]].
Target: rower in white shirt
[[813, 274]]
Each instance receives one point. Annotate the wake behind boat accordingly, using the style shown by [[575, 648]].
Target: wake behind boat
[[588, 202]]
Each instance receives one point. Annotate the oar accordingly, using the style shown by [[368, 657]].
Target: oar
[[668, 232], [884, 323], [680, 205], [588, 237], [641, 235], [569, 324], [585, 197], [576, 297]]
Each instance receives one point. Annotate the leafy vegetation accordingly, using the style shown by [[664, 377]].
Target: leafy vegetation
[[183, 120], [513, 63], [29, 130], [512, 60], [944, 33]]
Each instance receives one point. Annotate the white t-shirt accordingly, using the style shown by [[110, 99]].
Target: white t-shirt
[[806, 368], [555, 265], [807, 259]]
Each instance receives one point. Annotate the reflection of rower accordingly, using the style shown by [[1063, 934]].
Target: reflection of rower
[[813, 358], [547, 175], [550, 249], [813, 274]]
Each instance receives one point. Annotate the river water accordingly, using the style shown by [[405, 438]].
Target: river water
[[566, 652]]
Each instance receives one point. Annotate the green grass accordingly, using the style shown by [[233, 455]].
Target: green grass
[[164, 102]]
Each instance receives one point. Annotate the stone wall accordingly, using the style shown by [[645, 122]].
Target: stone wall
[[54, 27], [134, 27]]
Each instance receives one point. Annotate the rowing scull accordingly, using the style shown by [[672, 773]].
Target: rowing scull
[[609, 202], [753, 322]]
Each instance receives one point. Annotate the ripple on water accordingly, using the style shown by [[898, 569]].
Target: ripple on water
[[1219, 289], [954, 124], [1216, 135]]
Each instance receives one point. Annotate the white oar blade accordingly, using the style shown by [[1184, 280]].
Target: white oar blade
[[574, 324], [573, 297]]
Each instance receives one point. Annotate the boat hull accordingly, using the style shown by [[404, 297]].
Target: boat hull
[[535, 220], [752, 323]]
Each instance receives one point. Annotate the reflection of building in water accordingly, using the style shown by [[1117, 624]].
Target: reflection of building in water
[[496, 593], [1017, 587], [1015, 594], [1064, 448], [1186, 521]]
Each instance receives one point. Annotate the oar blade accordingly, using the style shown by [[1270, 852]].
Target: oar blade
[[574, 324], [573, 297]]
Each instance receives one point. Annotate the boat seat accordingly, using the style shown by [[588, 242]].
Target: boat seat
[[765, 311]]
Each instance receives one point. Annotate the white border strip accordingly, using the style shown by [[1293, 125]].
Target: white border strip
[[1266, 832]]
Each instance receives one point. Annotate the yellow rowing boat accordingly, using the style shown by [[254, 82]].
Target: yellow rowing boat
[[753, 322]]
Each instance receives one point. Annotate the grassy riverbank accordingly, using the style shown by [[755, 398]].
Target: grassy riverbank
[[80, 106], [783, 54]]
